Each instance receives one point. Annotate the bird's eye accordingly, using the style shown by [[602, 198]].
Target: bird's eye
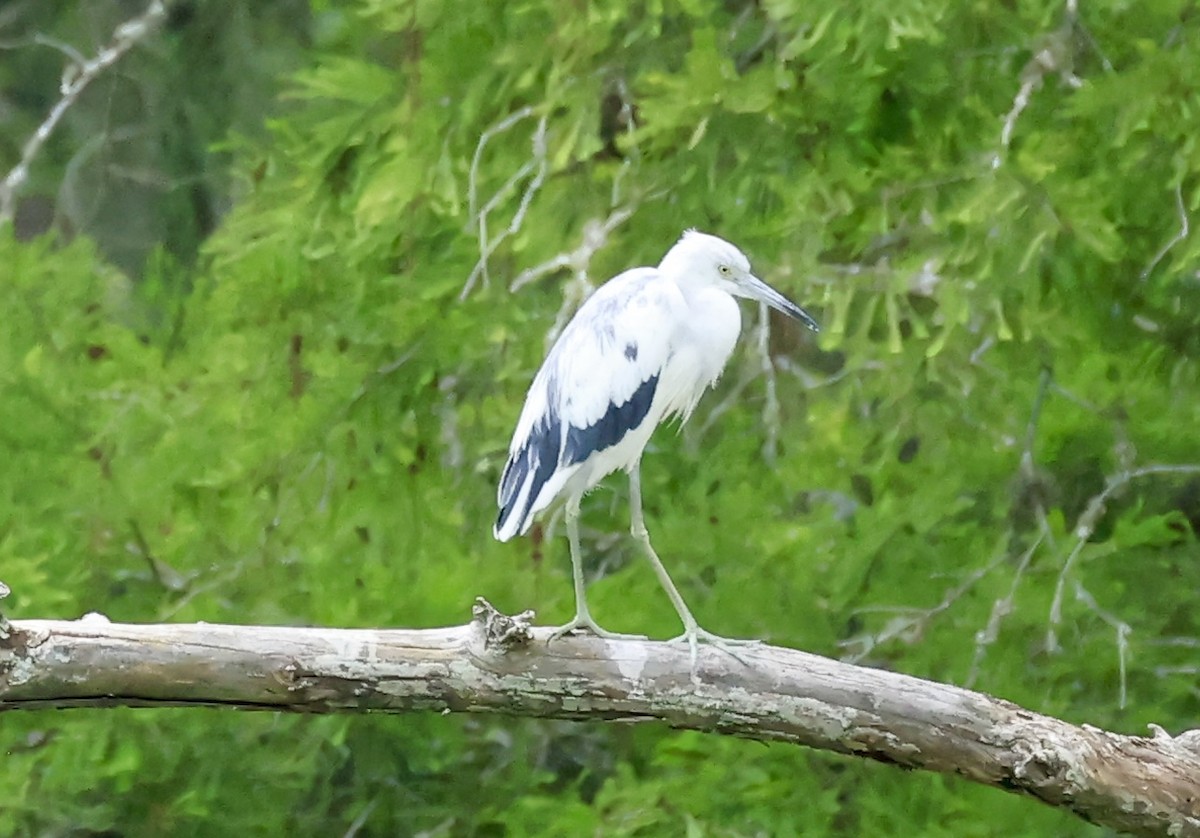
[[724, 269]]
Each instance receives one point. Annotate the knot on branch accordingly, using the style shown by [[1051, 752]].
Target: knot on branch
[[500, 631]]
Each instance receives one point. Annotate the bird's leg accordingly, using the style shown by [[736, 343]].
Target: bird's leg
[[583, 619], [693, 634]]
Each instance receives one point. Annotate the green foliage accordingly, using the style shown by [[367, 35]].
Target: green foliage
[[307, 426]]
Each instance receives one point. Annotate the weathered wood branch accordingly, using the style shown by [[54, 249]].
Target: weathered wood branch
[[1142, 785]]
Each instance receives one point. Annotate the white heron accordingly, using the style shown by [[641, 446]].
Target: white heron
[[641, 349]]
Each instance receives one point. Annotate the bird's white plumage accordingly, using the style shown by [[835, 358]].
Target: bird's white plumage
[[642, 348], [664, 328]]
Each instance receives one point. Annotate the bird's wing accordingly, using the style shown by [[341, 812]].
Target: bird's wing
[[596, 385]]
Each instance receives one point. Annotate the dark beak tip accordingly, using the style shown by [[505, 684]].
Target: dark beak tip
[[809, 321]]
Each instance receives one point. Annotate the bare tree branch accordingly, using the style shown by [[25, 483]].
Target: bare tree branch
[[1144, 785], [75, 79]]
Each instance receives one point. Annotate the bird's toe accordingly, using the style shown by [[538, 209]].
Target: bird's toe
[[586, 625], [731, 646]]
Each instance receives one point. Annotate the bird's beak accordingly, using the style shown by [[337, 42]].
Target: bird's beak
[[754, 288]]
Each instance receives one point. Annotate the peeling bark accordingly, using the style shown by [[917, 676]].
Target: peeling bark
[[1143, 785]]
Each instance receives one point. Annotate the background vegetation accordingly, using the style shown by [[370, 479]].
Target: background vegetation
[[261, 356]]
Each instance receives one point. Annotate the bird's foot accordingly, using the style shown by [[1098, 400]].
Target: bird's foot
[[694, 635], [584, 624]]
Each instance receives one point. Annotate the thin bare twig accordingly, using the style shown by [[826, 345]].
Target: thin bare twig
[[770, 411], [579, 260], [484, 138], [76, 77], [535, 169], [1086, 527], [1028, 469], [1004, 605], [40, 40], [1177, 642], [812, 382], [1052, 55], [595, 236], [1176, 239], [1001, 608], [912, 624], [361, 821], [1122, 629]]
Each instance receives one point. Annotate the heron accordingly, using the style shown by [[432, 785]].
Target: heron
[[640, 350]]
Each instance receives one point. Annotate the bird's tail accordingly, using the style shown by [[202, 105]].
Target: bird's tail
[[525, 475], [513, 501], [532, 479]]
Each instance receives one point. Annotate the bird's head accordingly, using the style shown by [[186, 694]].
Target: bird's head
[[703, 259]]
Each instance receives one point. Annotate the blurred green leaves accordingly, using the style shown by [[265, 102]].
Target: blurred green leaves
[[306, 426]]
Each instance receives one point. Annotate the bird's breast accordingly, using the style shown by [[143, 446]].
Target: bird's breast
[[713, 330], [699, 348]]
